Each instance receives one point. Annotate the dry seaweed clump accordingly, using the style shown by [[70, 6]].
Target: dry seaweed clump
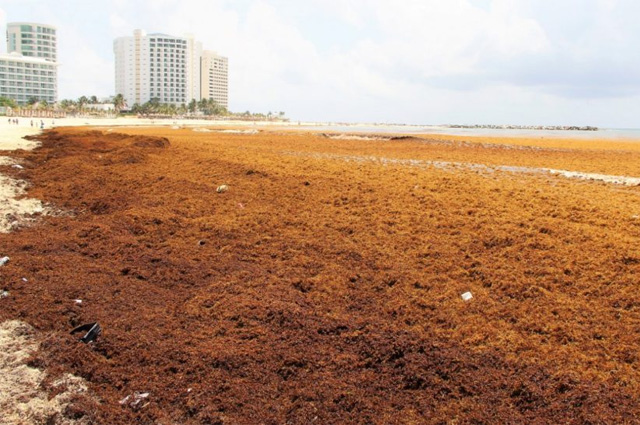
[[325, 285]]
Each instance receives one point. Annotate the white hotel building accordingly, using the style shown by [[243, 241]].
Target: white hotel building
[[157, 66], [214, 70], [29, 70], [163, 67]]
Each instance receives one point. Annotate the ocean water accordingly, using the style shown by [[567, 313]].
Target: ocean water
[[605, 133]]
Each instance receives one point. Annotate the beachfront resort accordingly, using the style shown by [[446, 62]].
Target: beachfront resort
[[30, 69], [172, 70], [156, 67]]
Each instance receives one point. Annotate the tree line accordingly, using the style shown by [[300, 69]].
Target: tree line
[[207, 107]]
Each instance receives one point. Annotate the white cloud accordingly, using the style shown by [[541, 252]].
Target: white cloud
[[431, 38], [83, 70], [119, 25]]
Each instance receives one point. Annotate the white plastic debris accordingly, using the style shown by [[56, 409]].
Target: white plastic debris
[[467, 296], [18, 166], [222, 188], [134, 399], [4, 294], [78, 301], [3, 261], [24, 279]]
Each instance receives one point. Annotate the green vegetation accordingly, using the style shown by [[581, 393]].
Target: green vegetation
[[83, 106], [207, 107], [204, 107], [118, 102], [8, 102]]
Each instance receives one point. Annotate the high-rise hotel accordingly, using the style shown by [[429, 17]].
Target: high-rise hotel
[[214, 74], [169, 69], [30, 70]]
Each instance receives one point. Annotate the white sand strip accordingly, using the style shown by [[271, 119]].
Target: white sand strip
[[622, 180], [11, 135], [21, 399], [14, 211]]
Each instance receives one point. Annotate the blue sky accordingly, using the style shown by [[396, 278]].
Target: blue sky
[[412, 61]]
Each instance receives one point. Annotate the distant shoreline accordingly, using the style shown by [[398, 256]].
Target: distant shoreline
[[525, 127], [479, 130]]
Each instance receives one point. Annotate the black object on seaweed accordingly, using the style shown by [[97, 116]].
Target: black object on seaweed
[[93, 330]]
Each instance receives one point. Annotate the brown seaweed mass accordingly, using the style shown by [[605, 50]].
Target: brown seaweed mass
[[324, 286]]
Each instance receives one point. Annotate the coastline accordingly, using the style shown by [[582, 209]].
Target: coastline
[[382, 128]]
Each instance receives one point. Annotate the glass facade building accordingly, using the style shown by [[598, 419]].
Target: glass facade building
[[33, 40], [30, 69], [23, 78]]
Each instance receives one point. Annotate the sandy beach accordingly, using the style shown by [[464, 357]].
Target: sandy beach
[[14, 207], [324, 283]]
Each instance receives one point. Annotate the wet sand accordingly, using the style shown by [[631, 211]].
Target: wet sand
[[325, 285]]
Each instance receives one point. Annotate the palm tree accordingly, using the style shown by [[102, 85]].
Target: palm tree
[[216, 108], [193, 105], [81, 102], [153, 106], [118, 102], [68, 105], [8, 102], [202, 105]]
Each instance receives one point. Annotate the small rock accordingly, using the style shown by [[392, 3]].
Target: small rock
[[202, 242], [467, 296], [222, 188]]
